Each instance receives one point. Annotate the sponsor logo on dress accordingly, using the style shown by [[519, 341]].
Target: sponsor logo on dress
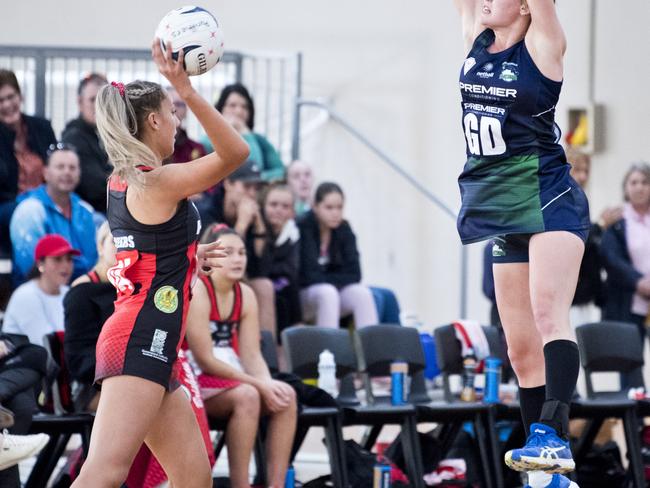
[[486, 71], [156, 350], [469, 64], [166, 299], [497, 251], [124, 241], [509, 71]]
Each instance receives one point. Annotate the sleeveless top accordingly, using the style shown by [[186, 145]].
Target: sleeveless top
[[516, 170], [155, 263], [224, 331]]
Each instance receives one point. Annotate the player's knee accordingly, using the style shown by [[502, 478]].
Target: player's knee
[[525, 360], [546, 321], [247, 400]]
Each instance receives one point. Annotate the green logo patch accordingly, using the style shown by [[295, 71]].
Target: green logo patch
[[166, 299]]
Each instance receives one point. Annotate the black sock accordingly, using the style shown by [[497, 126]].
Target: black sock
[[562, 368], [531, 401]]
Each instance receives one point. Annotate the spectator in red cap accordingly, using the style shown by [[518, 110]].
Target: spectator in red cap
[[36, 307]]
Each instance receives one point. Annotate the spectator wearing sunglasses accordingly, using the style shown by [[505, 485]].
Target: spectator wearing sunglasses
[[54, 208], [23, 145], [82, 134]]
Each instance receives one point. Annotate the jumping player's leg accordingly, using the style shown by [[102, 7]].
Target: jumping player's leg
[[511, 282], [279, 441], [241, 406], [554, 264], [127, 408]]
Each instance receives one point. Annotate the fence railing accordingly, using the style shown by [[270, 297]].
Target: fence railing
[[49, 77]]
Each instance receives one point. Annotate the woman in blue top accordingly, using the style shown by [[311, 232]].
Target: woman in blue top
[[516, 188]]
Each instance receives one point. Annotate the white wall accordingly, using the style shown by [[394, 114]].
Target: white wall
[[391, 68]]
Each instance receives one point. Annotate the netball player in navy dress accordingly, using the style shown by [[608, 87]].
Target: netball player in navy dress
[[516, 188], [155, 229]]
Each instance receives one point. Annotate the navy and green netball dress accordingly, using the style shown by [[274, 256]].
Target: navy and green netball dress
[[516, 179]]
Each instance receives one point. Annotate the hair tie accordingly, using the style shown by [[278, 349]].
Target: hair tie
[[119, 86]]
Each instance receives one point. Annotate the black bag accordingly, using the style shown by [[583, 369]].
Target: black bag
[[429, 447], [602, 467], [359, 464]]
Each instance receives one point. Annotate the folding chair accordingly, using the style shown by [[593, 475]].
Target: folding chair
[[611, 347], [62, 422]]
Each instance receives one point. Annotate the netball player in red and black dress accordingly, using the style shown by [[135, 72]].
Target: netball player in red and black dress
[[155, 229]]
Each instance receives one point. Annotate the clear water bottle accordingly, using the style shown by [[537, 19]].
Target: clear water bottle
[[468, 393], [327, 373]]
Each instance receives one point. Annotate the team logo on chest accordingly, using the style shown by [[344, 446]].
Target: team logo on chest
[[486, 71], [469, 64], [509, 71], [166, 299]]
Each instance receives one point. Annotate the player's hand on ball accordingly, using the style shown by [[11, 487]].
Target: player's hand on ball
[[171, 69]]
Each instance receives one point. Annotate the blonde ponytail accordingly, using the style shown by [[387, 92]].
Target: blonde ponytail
[[120, 119]]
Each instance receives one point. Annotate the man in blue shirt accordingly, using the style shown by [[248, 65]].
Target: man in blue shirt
[[53, 208]]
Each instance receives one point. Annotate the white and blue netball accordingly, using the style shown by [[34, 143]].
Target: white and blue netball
[[197, 32]]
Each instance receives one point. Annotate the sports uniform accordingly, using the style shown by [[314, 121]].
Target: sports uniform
[[516, 180], [225, 341], [155, 267]]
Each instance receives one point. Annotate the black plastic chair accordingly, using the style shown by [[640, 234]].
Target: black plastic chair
[[302, 345], [453, 412], [611, 347], [62, 422]]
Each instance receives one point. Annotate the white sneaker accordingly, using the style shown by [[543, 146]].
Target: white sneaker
[[15, 448]]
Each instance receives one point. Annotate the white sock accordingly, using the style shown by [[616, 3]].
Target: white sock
[[539, 479]]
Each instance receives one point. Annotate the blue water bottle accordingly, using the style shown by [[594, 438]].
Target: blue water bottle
[[492, 380], [290, 478], [399, 371], [431, 369]]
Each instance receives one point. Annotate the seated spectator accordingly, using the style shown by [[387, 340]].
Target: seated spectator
[[36, 307], [86, 306], [625, 249], [22, 366], [236, 105], [238, 208], [81, 133], [277, 209], [300, 179], [23, 146], [53, 208], [330, 272], [590, 288], [223, 336], [185, 149]]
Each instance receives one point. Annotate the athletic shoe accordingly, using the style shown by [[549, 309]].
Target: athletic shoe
[[15, 448], [539, 479], [6, 418], [544, 451]]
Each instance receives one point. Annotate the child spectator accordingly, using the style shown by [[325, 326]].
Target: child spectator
[[81, 133], [53, 208], [278, 212], [236, 105], [223, 335], [36, 307], [330, 272]]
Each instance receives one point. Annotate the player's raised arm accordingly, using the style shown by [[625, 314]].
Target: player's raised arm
[[230, 150], [470, 19], [545, 38]]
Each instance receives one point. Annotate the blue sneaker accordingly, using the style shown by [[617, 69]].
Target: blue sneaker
[[544, 451], [539, 479]]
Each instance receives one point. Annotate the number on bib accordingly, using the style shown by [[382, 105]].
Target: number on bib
[[483, 135]]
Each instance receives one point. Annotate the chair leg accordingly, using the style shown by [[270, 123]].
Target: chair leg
[[631, 424], [260, 460], [47, 460], [370, 437], [336, 451], [480, 429], [298, 438], [412, 452], [587, 438]]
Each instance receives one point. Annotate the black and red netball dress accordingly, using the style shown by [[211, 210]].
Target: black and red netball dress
[[155, 268]]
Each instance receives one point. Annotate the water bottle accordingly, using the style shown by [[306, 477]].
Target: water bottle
[[327, 373], [492, 380], [290, 478], [399, 371], [381, 475], [431, 369], [468, 393]]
